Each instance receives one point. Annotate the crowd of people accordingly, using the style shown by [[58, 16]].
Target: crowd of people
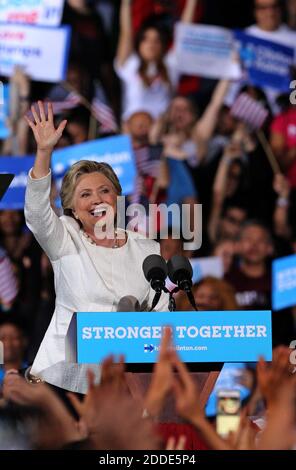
[[188, 149]]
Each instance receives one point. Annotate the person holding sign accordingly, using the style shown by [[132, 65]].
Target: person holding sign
[[94, 264], [149, 75]]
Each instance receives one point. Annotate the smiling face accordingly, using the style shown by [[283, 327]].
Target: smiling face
[[94, 200]]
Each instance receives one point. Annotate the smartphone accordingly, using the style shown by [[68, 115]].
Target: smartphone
[[228, 411]]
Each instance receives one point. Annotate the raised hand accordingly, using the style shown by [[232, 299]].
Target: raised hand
[[45, 133], [270, 377], [186, 394], [162, 378], [56, 427]]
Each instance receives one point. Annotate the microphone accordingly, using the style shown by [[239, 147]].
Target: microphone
[[155, 271], [180, 273], [128, 303]]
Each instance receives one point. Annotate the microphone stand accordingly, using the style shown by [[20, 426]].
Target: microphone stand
[[186, 287], [172, 302]]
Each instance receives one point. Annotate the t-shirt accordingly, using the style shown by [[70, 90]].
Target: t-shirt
[[250, 293], [283, 35], [137, 96], [285, 125]]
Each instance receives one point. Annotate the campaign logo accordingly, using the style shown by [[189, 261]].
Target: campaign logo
[[248, 55], [148, 348]]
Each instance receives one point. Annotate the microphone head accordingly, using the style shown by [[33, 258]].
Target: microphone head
[[179, 269], [128, 303], [155, 268]]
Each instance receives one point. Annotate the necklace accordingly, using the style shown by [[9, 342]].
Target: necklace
[[92, 242]]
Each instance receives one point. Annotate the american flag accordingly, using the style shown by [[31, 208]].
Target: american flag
[[104, 114], [71, 101], [8, 282], [249, 111], [147, 164], [101, 111]]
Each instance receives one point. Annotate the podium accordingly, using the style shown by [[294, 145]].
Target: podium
[[203, 340], [138, 383]]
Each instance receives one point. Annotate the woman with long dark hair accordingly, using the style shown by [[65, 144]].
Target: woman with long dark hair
[[149, 74]]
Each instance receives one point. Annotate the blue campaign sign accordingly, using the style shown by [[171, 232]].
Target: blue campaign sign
[[4, 111], [117, 151], [232, 336], [284, 282], [15, 195], [267, 63]]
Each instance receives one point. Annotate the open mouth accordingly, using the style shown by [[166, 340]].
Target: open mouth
[[99, 212]]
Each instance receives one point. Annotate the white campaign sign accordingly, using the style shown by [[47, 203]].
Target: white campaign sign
[[41, 52], [39, 12], [206, 51]]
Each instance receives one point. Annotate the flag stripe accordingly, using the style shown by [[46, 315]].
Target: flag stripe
[[249, 110]]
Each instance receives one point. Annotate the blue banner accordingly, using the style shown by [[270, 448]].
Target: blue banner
[[4, 111], [266, 63], [232, 336], [284, 282], [19, 166], [117, 151]]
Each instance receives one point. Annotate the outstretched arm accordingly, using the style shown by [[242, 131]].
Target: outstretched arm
[[49, 231], [125, 43], [188, 11], [206, 125], [46, 137]]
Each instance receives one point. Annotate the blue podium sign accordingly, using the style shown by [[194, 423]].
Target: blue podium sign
[[232, 336]]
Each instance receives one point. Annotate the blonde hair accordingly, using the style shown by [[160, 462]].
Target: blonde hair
[[80, 168]]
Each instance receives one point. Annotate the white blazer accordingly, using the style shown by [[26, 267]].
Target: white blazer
[[81, 283]]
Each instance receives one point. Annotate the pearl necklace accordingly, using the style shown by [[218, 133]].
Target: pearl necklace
[[92, 242]]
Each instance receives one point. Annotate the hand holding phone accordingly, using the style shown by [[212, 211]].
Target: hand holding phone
[[228, 411]]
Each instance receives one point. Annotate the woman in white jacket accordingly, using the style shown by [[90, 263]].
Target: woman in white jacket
[[91, 273]]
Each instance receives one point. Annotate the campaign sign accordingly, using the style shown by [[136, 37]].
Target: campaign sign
[[230, 378], [206, 51], [39, 12], [15, 195], [4, 112], [284, 282], [208, 266], [117, 151], [266, 63], [232, 336], [41, 52]]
